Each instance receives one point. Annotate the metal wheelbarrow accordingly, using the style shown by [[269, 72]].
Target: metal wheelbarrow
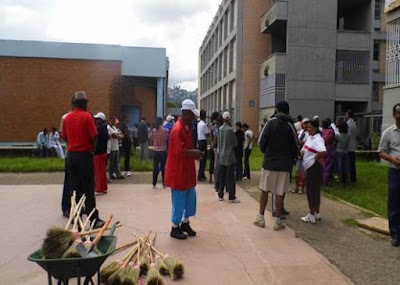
[[65, 268]]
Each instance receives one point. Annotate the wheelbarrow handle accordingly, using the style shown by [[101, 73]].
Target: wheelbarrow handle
[[103, 229]]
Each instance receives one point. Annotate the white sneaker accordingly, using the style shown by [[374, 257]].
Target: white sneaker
[[318, 216], [128, 173], [234, 201], [259, 223], [309, 218]]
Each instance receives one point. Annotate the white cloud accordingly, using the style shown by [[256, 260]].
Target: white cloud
[[178, 25]]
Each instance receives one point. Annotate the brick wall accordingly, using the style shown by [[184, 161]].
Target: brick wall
[[255, 50], [36, 92]]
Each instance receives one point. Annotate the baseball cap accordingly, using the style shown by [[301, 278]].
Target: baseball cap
[[226, 115], [100, 115], [189, 105], [305, 120], [283, 107], [80, 96], [315, 117], [169, 118]]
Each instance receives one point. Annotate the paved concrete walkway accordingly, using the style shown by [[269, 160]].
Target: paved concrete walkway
[[228, 248]]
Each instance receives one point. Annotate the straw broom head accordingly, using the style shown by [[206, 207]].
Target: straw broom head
[[71, 252], [109, 269], [118, 275], [144, 265], [161, 266], [132, 275], [57, 241], [175, 267], [153, 276]]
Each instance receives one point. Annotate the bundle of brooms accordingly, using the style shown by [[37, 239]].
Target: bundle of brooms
[[61, 242], [142, 261]]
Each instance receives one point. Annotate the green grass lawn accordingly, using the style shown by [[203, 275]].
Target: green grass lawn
[[370, 191]]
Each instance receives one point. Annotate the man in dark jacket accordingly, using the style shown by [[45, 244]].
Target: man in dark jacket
[[143, 138], [278, 142]]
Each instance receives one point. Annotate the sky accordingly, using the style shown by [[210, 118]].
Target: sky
[[177, 25]]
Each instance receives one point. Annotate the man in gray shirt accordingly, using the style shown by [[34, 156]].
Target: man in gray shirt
[[389, 150], [226, 147]]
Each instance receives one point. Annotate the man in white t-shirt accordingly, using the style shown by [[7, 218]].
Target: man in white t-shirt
[[248, 146], [202, 133], [115, 135]]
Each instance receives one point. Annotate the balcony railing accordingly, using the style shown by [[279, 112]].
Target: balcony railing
[[277, 12]]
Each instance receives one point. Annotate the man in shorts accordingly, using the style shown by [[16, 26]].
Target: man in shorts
[[278, 142]]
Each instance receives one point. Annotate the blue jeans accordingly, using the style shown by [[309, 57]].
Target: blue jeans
[[159, 159], [394, 201], [183, 204]]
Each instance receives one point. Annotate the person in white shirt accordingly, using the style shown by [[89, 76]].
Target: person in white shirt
[[202, 133], [313, 153], [54, 142], [300, 172], [248, 146], [115, 135], [352, 132]]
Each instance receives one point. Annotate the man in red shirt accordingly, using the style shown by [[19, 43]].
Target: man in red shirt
[[80, 133], [180, 172]]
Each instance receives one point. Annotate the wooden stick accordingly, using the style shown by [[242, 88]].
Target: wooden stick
[[95, 231]]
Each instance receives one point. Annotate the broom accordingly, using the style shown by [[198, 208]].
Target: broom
[[116, 277], [131, 275], [153, 275], [58, 240], [175, 267], [71, 252]]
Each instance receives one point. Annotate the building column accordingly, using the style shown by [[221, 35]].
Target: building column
[[160, 97]]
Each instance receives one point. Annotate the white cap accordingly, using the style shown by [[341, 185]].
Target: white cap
[[189, 105], [315, 117], [100, 115], [169, 118], [226, 115], [305, 120]]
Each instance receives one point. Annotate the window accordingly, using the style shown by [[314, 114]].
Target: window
[[378, 9], [393, 54], [376, 50], [352, 66], [375, 92]]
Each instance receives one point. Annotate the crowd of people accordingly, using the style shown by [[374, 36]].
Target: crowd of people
[[319, 151]]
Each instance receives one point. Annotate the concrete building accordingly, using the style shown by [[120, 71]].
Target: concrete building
[[38, 80], [326, 57], [229, 61], [323, 57], [392, 86]]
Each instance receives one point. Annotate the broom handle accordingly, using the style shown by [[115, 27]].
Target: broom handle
[[103, 229], [88, 219], [96, 230], [124, 246], [71, 210]]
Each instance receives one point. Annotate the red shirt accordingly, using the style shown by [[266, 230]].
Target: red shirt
[[180, 173], [79, 130]]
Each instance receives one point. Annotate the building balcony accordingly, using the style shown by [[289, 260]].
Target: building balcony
[[353, 40], [273, 80], [276, 63], [275, 17]]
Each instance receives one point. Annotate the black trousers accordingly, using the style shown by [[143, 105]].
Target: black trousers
[[227, 179], [81, 175], [66, 195], [246, 172], [159, 159], [352, 166], [314, 180], [126, 148], [202, 146], [211, 154], [239, 167]]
